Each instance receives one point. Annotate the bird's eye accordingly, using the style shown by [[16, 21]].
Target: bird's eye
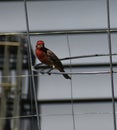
[[37, 46]]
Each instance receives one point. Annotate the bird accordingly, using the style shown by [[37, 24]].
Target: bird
[[47, 57]]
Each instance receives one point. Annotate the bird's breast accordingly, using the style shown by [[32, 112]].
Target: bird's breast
[[41, 55]]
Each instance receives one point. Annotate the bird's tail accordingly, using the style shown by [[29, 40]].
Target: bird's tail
[[66, 76]]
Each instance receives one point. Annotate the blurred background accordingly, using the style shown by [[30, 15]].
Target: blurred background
[[30, 100]]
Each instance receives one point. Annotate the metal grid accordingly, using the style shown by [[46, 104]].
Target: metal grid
[[31, 74]]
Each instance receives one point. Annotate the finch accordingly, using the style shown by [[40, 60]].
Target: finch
[[47, 57]]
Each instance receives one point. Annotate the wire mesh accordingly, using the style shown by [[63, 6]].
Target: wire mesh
[[31, 74]]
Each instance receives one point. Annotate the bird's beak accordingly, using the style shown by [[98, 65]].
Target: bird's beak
[[39, 46]]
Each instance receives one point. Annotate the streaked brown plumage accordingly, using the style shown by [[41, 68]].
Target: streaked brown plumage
[[47, 57]]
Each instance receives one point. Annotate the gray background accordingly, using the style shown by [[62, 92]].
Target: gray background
[[70, 15]]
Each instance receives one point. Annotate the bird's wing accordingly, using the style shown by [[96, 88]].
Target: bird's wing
[[55, 60], [52, 56]]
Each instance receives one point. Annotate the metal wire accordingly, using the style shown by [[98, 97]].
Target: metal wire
[[111, 63], [87, 56], [60, 73], [71, 86], [30, 69], [80, 73], [73, 73], [56, 115], [57, 32]]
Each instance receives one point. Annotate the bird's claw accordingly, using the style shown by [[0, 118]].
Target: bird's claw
[[37, 66], [42, 72], [33, 68], [49, 73]]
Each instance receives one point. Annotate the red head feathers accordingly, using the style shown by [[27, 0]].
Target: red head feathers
[[40, 42]]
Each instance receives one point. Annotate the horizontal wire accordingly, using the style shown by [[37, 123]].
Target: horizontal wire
[[56, 115], [17, 117], [76, 73], [84, 113], [72, 73], [87, 56], [57, 32], [60, 73]]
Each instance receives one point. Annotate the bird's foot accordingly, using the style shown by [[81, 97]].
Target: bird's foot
[[42, 72], [48, 72], [33, 69], [37, 66]]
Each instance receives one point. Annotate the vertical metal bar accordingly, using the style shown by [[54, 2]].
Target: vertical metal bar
[[111, 64], [72, 100], [3, 108], [16, 104], [30, 69]]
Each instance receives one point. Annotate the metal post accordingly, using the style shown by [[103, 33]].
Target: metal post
[[111, 64], [5, 81], [16, 104], [30, 67]]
